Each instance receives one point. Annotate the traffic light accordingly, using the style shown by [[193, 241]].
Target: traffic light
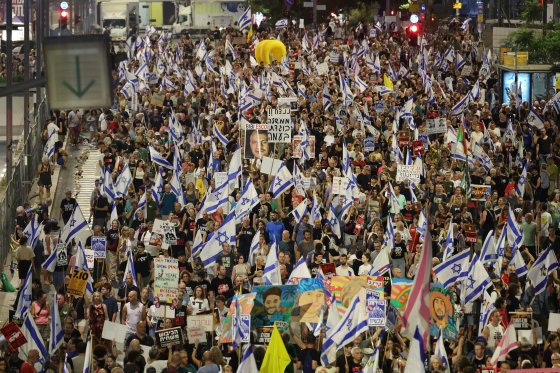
[[63, 14], [392, 12], [413, 30]]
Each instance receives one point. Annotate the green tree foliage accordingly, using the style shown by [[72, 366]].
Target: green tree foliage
[[542, 49], [532, 12]]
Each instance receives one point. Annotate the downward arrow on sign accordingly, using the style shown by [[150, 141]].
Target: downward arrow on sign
[[78, 90]]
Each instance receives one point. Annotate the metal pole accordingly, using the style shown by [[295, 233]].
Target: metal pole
[[27, 77], [38, 42], [9, 72]]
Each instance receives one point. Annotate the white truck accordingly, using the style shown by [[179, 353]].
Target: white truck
[[205, 15], [118, 18]]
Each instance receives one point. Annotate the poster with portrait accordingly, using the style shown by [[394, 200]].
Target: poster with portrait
[[480, 192], [442, 312], [344, 288], [310, 301], [273, 304], [254, 140]]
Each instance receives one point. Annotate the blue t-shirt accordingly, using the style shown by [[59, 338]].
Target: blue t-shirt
[[168, 203], [275, 229]]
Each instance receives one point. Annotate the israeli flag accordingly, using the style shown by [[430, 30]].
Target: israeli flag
[[449, 246], [32, 231], [254, 247], [440, 351], [300, 271], [218, 134], [56, 332], [486, 310], [50, 263], [300, 211], [282, 181], [73, 226], [520, 187], [543, 266], [452, 269], [381, 264], [34, 340], [245, 19], [475, 281], [89, 357], [333, 221], [24, 300], [249, 199], [130, 269], [327, 101], [123, 182], [271, 268], [213, 246], [230, 49], [488, 252], [248, 363], [158, 159]]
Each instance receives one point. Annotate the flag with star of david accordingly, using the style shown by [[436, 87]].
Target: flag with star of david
[[282, 181], [249, 199], [213, 246], [451, 270], [474, 282], [73, 226], [544, 265]]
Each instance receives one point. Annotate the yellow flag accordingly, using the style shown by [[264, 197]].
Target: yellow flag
[[387, 82], [276, 358], [250, 34]]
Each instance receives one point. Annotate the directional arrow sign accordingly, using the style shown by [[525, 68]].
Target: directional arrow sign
[[78, 73]]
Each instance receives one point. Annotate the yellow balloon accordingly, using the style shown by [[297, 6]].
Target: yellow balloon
[[270, 47]]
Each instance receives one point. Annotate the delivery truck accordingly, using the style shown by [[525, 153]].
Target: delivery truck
[[205, 15]]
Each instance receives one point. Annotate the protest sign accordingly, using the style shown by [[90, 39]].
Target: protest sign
[[344, 288], [408, 173], [280, 125], [255, 141], [273, 304], [392, 317], [169, 234], [269, 165], [61, 255], [322, 68], [470, 233], [78, 282], [196, 335], [309, 182], [164, 312], [329, 270], [403, 138], [379, 106], [169, 337], [400, 291], [480, 192], [13, 335], [238, 40], [339, 185], [157, 100], [553, 322], [376, 309], [263, 335], [99, 247], [90, 258], [442, 313], [521, 320], [242, 304], [166, 276], [201, 321], [418, 147], [309, 302], [113, 331], [334, 57], [369, 144], [297, 151], [436, 125]]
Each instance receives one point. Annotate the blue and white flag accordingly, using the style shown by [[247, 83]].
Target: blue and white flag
[[114, 216], [353, 323], [234, 169], [282, 181], [452, 269], [230, 49], [440, 351], [333, 221], [25, 294], [460, 62], [416, 354], [327, 100], [50, 264], [514, 233], [158, 159], [175, 129], [475, 281], [123, 182], [157, 188], [249, 199], [107, 188], [248, 363], [245, 19], [88, 358], [315, 212], [214, 244], [73, 226], [488, 251], [520, 187], [449, 245], [56, 332], [300, 211], [218, 135], [32, 231], [130, 269], [282, 23], [177, 188], [541, 269], [271, 273], [486, 309], [255, 243], [300, 271], [34, 341], [372, 365], [381, 264]]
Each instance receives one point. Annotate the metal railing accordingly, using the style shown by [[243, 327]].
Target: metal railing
[[27, 157]]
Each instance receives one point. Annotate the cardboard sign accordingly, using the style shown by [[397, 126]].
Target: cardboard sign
[[13, 335], [408, 173], [270, 165], [245, 327], [166, 275], [201, 321], [164, 312], [418, 147], [99, 247], [298, 152], [379, 106], [470, 233], [169, 337], [113, 331], [280, 125], [196, 334], [157, 99], [238, 40], [403, 138], [553, 322], [369, 144], [263, 335], [290, 102], [480, 192], [521, 320], [78, 282], [376, 309], [334, 57], [61, 255], [436, 125]]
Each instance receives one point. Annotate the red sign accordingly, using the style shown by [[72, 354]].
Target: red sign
[[470, 233], [13, 335], [359, 224], [418, 147], [404, 138], [329, 270]]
